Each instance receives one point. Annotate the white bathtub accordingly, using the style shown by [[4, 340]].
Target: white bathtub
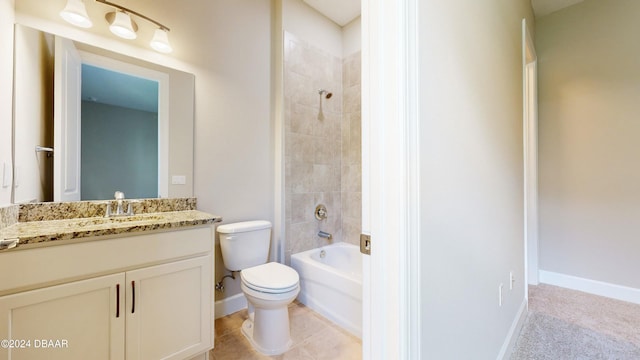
[[331, 283]]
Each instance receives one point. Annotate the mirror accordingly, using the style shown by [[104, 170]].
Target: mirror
[[108, 148]]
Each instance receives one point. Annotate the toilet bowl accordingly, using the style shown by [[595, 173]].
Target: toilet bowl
[[268, 287]]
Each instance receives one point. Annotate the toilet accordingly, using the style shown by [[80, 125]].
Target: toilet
[[268, 287]]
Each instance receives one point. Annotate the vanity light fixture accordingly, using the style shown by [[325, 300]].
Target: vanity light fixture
[[76, 14], [160, 41], [120, 23]]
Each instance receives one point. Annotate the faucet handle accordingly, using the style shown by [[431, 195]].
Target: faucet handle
[[119, 195]]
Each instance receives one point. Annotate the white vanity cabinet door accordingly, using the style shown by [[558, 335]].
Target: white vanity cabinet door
[[168, 310], [80, 317]]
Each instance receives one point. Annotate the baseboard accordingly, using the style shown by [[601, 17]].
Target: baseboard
[[230, 305], [514, 332], [591, 286]]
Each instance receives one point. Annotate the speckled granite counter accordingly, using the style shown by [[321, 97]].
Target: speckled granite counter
[[53, 222]]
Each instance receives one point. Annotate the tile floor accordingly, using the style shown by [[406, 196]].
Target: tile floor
[[314, 338]]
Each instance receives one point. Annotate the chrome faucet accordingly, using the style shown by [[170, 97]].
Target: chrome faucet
[[325, 235], [119, 196]]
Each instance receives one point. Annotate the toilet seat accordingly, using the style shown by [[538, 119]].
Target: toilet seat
[[271, 278]]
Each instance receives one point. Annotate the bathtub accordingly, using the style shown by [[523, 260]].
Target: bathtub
[[331, 283]]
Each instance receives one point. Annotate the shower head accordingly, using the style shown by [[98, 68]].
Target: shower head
[[326, 94]]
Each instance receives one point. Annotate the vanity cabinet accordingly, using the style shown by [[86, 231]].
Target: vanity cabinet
[[81, 314], [164, 310], [157, 303]]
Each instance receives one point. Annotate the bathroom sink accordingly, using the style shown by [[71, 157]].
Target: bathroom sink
[[115, 220]]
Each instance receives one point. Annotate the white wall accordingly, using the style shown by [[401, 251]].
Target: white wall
[[33, 111], [234, 132], [6, 97], [589, 134], [352, 37], [471, 177], [307, 24]]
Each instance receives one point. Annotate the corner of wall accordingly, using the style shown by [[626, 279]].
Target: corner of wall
[[7, 17], [514, 331]]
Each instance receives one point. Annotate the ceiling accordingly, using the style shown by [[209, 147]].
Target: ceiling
[[341, 12], [546, 7]]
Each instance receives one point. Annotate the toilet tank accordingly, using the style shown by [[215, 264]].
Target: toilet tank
[[245, 244]]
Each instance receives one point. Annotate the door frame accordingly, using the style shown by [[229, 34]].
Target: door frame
[[163, 106], [67, 116], [530, 153], [390, 179]]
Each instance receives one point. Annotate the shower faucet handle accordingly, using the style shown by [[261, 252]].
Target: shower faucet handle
[[321, 212]]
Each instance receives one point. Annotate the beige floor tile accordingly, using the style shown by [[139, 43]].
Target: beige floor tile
[[333, 343], [304, 324], [314, 338], [296, 353], [230, 323], [234, 346]]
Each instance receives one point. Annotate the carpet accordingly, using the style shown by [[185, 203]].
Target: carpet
[[567, 324], [546, 337]]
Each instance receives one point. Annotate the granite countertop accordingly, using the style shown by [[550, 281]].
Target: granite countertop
[[53, 229]]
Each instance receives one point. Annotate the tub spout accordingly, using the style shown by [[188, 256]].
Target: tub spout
[[325, 235]]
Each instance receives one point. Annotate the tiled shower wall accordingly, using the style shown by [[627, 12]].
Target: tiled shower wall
[[322, 153], [351, 150]]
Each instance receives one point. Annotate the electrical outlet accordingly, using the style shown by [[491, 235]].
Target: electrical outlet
[[512, 280], [500, 294]]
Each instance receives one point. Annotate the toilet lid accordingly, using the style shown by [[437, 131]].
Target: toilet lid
[[270, 277]]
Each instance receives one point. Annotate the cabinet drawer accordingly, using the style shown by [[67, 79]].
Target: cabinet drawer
[[39, 267]]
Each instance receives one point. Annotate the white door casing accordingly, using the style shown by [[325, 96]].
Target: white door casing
[[66, 121], [163, 107], [390, 178], [530, 144]]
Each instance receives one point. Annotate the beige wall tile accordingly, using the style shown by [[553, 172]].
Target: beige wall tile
[[301, 178], [351, 205], [316, 151], [300, 147], [302, 119], [302, 207]]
